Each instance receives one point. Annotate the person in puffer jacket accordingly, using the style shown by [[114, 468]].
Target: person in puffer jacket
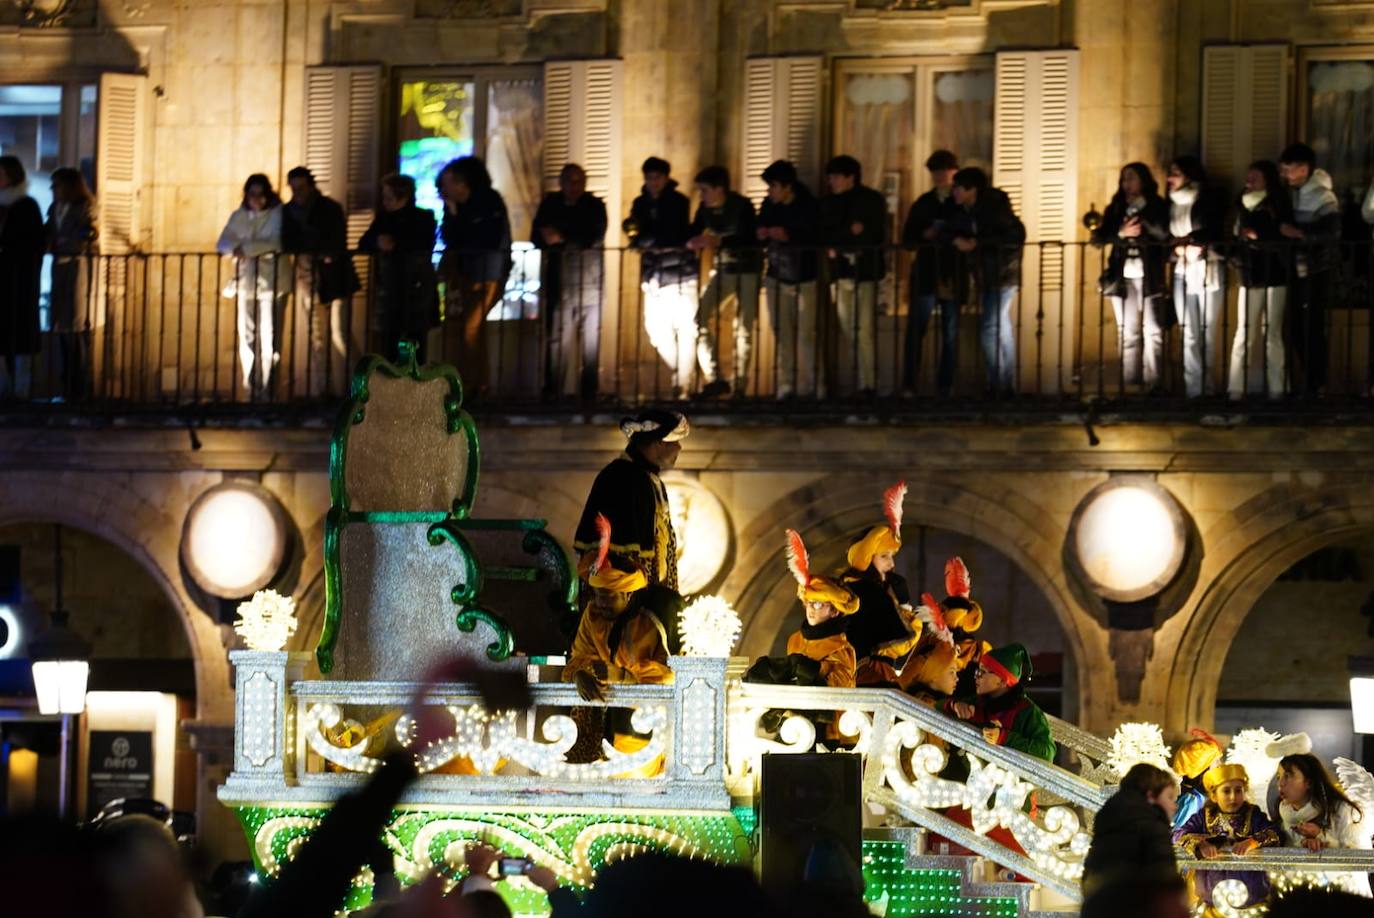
[[1315, 233]]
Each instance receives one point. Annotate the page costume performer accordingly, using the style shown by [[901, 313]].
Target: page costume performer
[[630, 493], [619, 640], [962, 612], [1001, 709], [1227, 822], [884, 631], [1191, 762]]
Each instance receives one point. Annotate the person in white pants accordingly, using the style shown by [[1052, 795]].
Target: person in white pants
[[253, 237], [1196, 216], [658, 228], [1258, 358]]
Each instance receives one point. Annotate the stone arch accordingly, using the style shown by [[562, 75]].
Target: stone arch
[[149, 534], [1252, 546], [829, 510]]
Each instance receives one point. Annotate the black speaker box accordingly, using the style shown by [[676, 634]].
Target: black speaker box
[[806, 799]]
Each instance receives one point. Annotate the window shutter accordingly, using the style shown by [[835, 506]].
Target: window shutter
[[1035, 161], [1244, 107], [342, 123], [782, 115], [119, 161]]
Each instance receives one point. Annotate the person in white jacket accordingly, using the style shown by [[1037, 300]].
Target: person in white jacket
[[1313, 812], [253, 237]]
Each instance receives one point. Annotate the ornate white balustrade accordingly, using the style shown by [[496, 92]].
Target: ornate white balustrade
[[303, 743]]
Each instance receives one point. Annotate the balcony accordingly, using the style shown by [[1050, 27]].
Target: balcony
[[164, 340]]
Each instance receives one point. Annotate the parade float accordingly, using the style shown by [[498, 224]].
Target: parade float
[[411, 574]]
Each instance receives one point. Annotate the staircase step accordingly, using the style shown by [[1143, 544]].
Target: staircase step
[[969, 895]]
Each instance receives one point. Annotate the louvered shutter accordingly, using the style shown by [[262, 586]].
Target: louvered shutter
[[1035, 161], [582, 124], [119, 161], [782, 114], [342, 123], [1244, 107]]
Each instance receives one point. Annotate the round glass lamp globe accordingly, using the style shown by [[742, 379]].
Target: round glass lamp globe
[[234, 540], [1129, 541]]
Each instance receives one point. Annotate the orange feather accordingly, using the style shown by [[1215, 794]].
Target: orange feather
[[958, 581], [603, 542], [892, 507], [798, 561]]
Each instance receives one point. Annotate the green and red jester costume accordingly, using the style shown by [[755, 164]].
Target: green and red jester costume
[[1020, 722]]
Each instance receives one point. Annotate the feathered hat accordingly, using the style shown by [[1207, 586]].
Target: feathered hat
[[961, 611], [1198, 754], [936, 653], [599, 569], [816, 588], [881, 538]]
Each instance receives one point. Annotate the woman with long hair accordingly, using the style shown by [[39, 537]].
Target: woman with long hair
[[1136, 225], [1258, 357], [71, 237], [1196, 217], [1313, 812], [21, 266], [253, 237]]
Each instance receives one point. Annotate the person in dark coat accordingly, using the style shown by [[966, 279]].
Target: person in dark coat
[[1197, 214], [1314, 235], [935, 280], [1131, 834], [854, 222], [401, 238], [570, 229], [71, 238], [475, 265], [658, 229], [1258, 358], [726, 226], [315, 230], [1136, 225], [630, 493], [21, 265], [789, 223], [988, 230]]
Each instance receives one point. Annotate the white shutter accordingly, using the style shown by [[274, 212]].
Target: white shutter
[[342, 123], [1035, 161], [782, 120], [119, 160], [1244, 107]]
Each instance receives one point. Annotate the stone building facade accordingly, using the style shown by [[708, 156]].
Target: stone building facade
[[1052, 95]]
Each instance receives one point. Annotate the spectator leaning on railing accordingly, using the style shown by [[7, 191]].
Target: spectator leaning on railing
[[253, 237], [71, 237], [854, 222], [21, 264], [1197, 217], [1316, 231], [936, 281], [401, 238], [1258, 358], [570, 228], [725, 226], [1136, 225], [658, 228], [789, 224]]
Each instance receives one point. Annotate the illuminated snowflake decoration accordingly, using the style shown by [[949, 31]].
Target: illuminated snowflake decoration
[[267, 621], [1136, 743], [709, 627]]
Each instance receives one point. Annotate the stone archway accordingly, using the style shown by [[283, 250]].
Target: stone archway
[[1260, 540], [828, 511]]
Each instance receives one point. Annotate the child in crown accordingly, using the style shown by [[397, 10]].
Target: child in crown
[[1227, 824]]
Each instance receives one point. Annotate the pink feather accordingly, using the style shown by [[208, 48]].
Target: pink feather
[[892, 507], [603, 542], [958, 581], [798, 561]]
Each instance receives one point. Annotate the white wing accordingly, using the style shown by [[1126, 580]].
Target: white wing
[[1359, 787]]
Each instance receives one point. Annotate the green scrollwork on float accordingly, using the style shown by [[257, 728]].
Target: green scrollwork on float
[[464, 594]]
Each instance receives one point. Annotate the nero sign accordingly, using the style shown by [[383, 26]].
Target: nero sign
[[120, 765]]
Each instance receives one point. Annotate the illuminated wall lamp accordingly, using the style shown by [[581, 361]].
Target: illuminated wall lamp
[[1362, 693], [60, 657], [1128, 537]]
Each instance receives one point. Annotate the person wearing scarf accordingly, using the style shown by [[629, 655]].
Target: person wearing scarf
[[1195, 223], [1258, 357]]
